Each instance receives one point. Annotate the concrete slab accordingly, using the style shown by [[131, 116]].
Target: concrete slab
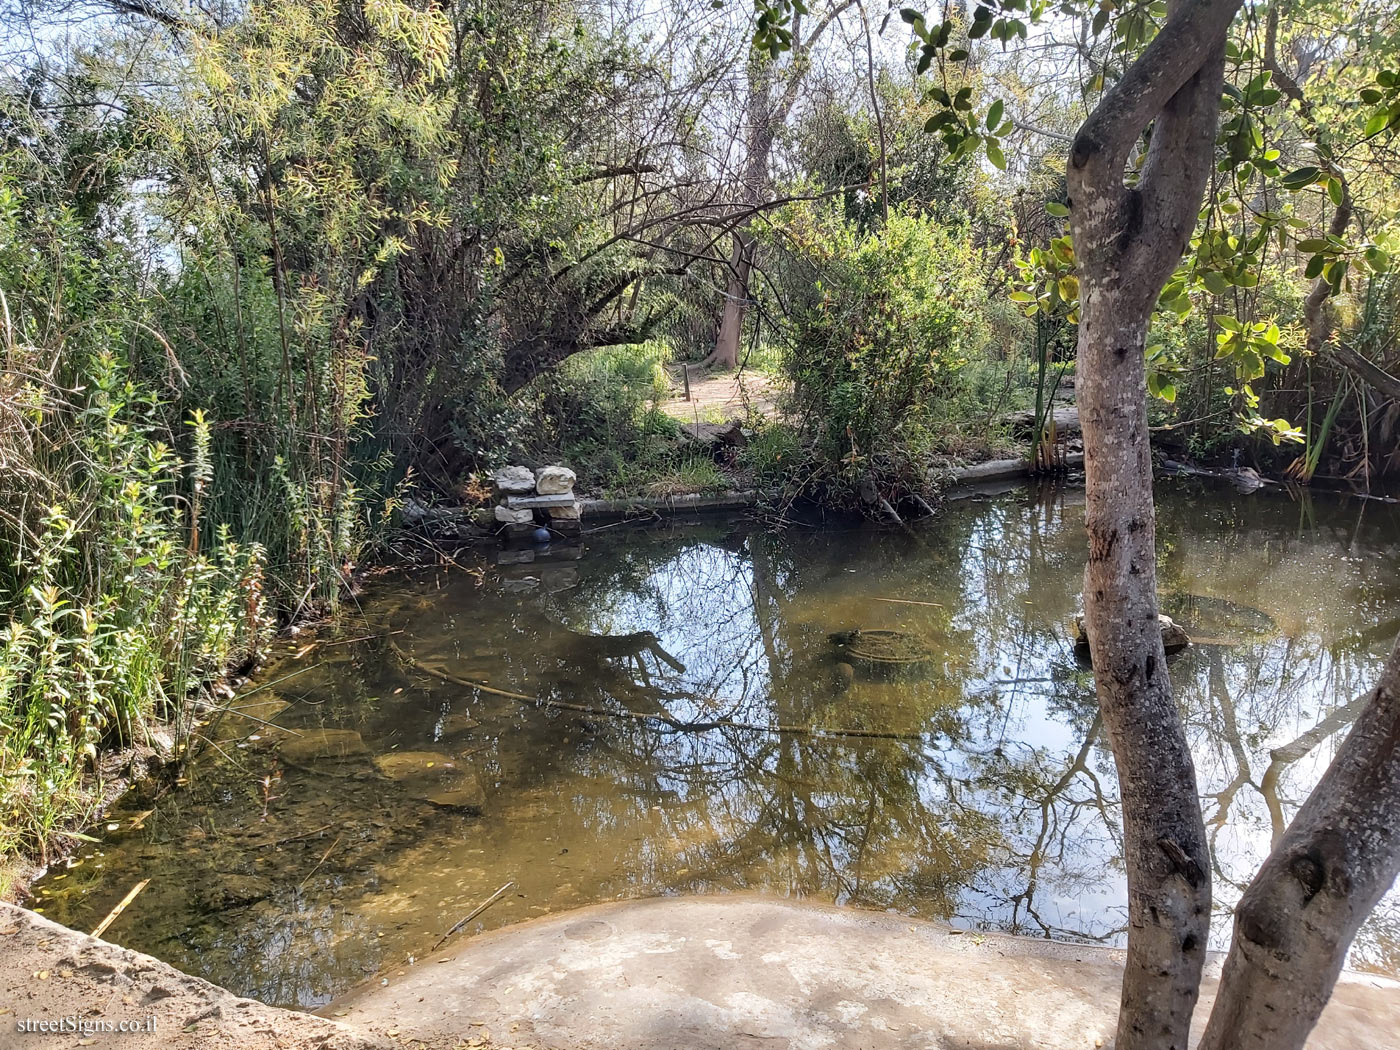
[[737, 971]]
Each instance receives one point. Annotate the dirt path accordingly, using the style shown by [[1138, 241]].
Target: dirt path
[[720, 396]]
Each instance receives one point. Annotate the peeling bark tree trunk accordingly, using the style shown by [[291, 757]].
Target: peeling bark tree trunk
[[1298, 917], [1127, 241]]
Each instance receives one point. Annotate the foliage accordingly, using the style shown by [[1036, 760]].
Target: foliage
[[599, 414], [116, 603], [879, 342]]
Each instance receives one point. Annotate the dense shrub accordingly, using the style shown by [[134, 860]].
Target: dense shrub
[[883, 328]]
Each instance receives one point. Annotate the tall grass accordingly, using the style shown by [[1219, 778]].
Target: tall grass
[[121, 594]]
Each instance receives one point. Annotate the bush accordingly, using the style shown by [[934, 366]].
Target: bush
[[883, 327], [599, 413]]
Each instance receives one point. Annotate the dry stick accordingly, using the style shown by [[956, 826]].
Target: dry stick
[[219, 712], [317, 868], [362, 638], [909, 601], [291, 838], [474, 913], [243, 714], [641, 716], [112, 915]]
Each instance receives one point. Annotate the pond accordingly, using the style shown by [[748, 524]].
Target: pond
[[686, 711]]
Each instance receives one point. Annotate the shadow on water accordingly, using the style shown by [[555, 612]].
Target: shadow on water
[[372, 799]]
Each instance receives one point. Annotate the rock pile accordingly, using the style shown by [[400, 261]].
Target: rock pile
[[527, 500]]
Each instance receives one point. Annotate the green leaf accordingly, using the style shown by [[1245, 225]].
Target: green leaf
[[1300, 177], [1056, 209], [1314, 267], [1215, 282], [994, 153], [994, 115], [1334, 190]]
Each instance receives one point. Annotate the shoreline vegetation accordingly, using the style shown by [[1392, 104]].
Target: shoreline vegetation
[[275, 280]]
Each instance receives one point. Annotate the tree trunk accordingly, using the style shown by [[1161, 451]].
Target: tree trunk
[[1298, 917], [736, 298], [1368, 371], [1164, 838], [1127, 241]]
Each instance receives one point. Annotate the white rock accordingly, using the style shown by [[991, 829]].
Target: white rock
[[514, 480], [554, 481], [514, 517]]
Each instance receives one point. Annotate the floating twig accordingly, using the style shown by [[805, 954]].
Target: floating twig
[[908, 601], [645, 716], [291, 838], [112, 915], [317, 868]]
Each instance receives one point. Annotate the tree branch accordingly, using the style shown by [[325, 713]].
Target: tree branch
[[1176, 54]]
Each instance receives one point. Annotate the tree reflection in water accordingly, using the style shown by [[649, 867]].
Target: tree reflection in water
[[998, 809]]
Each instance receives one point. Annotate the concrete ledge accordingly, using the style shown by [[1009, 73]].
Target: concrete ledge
[[647, 507], [741, 971]]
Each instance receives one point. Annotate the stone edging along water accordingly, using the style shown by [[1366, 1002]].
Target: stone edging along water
[[747, 499]]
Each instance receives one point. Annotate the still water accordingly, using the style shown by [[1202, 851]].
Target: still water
[[369, 796]]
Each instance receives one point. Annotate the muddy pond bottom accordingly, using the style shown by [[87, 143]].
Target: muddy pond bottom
[[877, 719]]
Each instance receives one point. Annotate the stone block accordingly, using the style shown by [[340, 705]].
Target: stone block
[[554, 481], [544, 502], [514, 480], [511, 516]]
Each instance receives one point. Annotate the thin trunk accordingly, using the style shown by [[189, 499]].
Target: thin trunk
[[1127, 241], [1163, 835], [764, 116], [736, 301], [1334, 863]]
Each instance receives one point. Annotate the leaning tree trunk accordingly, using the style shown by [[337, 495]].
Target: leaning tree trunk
[[1128, 240], [1297, 919], [764, 117]]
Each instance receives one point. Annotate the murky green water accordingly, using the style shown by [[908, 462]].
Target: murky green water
[[292, 867]]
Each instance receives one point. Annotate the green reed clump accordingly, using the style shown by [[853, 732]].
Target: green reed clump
[[114, 609], [114, 606]]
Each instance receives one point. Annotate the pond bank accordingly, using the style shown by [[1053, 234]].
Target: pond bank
[[50, 973], [737, 971], [683, 974]]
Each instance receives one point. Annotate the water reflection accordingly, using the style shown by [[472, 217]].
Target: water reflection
[[670, 715]]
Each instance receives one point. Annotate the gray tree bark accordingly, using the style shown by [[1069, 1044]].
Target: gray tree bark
[[764, 116], [1297, 919], [1128, 240]]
